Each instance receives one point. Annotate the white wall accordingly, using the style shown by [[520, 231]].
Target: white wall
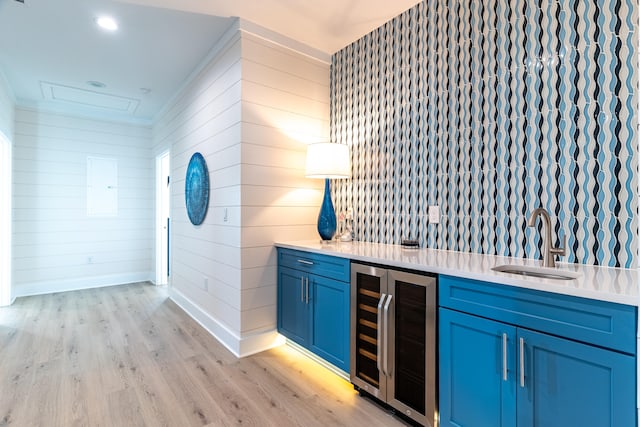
[[285, 105], [7, 108], [56, 246], [250, 112], [6, 136], [205, 118], [5, 221]]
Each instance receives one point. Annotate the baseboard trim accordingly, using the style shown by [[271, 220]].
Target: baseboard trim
[[11, 301], [66, 285], [259, 342], [239, 346]]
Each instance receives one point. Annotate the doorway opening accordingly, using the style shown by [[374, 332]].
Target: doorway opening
[[163, 217], [5, 221]]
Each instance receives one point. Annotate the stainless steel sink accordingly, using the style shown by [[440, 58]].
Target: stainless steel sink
[[541, 272]]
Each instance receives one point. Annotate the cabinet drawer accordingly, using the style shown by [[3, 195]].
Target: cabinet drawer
[[322, 265], [595, 322]]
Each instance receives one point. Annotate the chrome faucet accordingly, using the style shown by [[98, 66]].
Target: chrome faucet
[[548, 251]]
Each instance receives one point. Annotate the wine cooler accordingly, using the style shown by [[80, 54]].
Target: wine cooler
[[393, 342]]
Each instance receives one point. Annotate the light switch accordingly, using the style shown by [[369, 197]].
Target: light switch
[[434, 214]]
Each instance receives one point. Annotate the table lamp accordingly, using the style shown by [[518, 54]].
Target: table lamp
[[329, 161]]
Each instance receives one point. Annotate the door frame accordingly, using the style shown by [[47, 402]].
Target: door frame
[[5, 220], [162, 217]]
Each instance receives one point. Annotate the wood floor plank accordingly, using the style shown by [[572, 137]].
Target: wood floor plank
[[43, 401], [243, 403], [73, 397], [123, 409], [127, 355]]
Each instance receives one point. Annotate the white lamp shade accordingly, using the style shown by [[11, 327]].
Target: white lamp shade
[[328, 160]]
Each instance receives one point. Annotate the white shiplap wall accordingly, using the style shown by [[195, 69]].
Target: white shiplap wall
[[205, 118], [250, 112], [285, 106], [7, 110], [56, 246]]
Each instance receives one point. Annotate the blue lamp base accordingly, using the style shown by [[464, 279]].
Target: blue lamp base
[[327, 217]]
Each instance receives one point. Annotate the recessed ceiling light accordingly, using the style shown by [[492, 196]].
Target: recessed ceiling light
[[97, 84], [145, 90], [107, 23]]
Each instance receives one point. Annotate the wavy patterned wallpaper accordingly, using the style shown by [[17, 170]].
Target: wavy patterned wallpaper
[[490, 109]]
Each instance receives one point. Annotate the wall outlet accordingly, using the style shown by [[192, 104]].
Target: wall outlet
[[434, 214], [205, 283], [89, 260]]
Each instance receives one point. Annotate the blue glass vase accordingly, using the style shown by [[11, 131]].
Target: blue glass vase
[[327, 216]]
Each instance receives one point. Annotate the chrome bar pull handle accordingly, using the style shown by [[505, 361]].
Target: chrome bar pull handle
[[307, 289], [380, 332], [387, 371], [301, 288], [504, 357], [522, 362], [303, 261]]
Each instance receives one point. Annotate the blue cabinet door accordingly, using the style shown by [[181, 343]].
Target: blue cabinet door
[[330, 320], [473, 389], [567, 383], [293, 311]]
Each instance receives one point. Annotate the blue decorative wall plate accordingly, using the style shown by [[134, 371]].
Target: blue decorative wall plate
[[196, 189]]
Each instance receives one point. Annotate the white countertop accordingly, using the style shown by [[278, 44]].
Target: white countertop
[[600, 283]]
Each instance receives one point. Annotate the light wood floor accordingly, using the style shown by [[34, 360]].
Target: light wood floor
[[128, 356]]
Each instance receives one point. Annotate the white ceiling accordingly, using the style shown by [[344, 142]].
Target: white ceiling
[[327, 25], [50, 49]]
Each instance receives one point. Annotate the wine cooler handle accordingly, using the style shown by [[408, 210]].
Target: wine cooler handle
[[522, 362], [386, 335], [380, 333], [504, 357]]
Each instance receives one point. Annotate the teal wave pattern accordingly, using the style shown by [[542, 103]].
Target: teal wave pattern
[[489, 110]]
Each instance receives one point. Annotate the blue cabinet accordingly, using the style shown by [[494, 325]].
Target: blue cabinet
[[330, 321], [566, 383], [508, 358], [473, 391], [293, 311], [313, 303]]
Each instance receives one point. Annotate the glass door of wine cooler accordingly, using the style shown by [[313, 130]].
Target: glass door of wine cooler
[[411, 339], [393, 342], [368, 293]]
